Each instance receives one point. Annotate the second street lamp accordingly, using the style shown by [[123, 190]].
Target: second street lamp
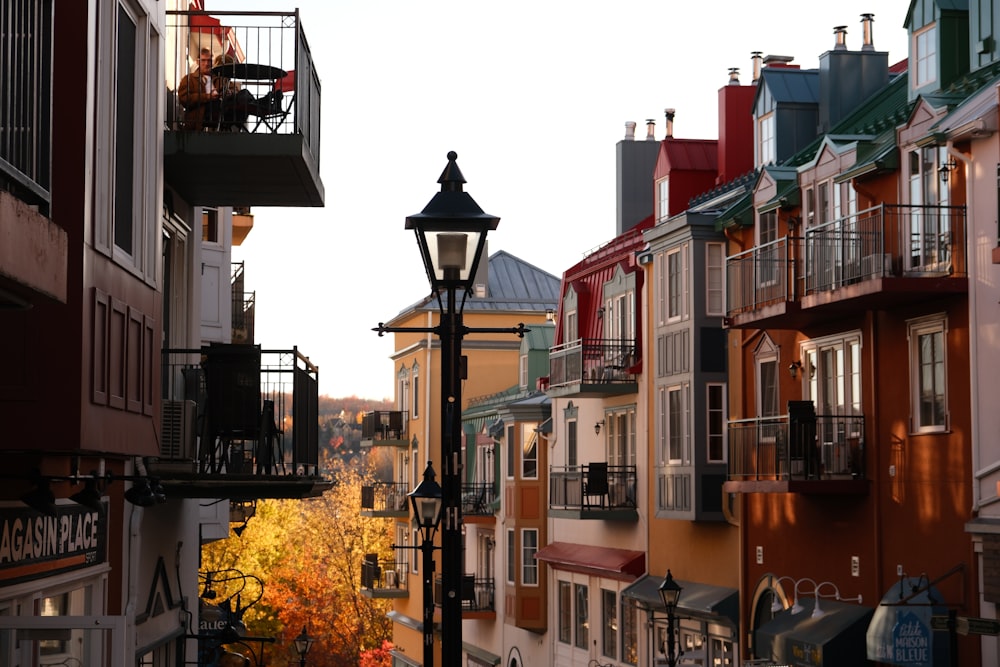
[[670, 593], [426, 503]]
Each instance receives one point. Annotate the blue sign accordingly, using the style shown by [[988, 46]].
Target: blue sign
[[900, 633], [911, 640]]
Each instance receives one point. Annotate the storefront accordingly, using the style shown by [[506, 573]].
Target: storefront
[[901, 631], [815, 633]]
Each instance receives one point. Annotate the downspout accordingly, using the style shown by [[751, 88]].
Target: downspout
[[972, 272]]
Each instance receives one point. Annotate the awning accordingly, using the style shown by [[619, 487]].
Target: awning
[[588, 559], [545, 427], [481, 655], [900, 633], [718, 604], [833, 639], [496, 428]]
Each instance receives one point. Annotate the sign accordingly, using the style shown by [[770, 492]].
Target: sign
[[939, 622], [909, 641], [33, 545], [968, 626]]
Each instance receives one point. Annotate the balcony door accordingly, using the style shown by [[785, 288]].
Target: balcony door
[[930, 223], [216, 300]]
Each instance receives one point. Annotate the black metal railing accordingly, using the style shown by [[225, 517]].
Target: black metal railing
[[593, 360], [243, 307], [478, 593], [478, 498], [594, 486], [886, 240], [285, 92], [779, 448], [760, 276], [256, 410], [26, 38], [383, 425], [383, 575], [385, 497]]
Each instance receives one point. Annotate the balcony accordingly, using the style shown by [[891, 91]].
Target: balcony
[[478, 596], [594, 491], [817, 454], [594, 367], [882, 257], [240, 423], [263, 150], [384, 428], [383, 578], [479, 501], [385, 499]]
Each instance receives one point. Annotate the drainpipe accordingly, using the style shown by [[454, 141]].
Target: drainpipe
[[970, 259]]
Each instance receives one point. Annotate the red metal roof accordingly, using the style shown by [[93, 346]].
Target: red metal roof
[[589, 559]]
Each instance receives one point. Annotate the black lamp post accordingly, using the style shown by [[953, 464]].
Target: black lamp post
[[670, 593], [426, 503], [451, 232], [302, 645]]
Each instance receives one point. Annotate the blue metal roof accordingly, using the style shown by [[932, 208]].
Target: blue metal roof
[[791, 86], [514, 284]]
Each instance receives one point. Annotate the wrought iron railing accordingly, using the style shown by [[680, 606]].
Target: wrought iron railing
[[385, 497], [777, 448], [243, 307], [290, 92], [596, 486], [26, 41], [886, 240], [389, 425], [256, 410], [383, 575], [593, 361], [478, 498], [478, 593], [760, 276]]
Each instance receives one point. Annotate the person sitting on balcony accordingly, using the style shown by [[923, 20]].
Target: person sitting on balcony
[[199, 96], [236, 100]]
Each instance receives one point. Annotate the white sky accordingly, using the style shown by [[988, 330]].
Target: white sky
[[533, 96]]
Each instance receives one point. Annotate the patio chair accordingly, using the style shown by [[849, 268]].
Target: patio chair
[[272, 109]]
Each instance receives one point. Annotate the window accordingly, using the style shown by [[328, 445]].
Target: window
[[928, 374], [511, 557], [403, 389], [510, 452], [529, 566], [57, 605], [715, 266], [571, 332], [768, 254], [609, 624], [529, 452], [831, 367], [663, 199], [522, 363], [630, 631], [565, 612], [581, 635], [128, 107], [716, 407], [823, 202], [766, 142], [930, 228], [675, 286], [571, 446], [675, 426], [620, 425], [403, 540], [766, 357], [415, 375], [414, 564], [924, 57]]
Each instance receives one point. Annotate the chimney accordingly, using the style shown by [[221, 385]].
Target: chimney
[[841, 41], [756, 57], [848, 77], [634, 165], [734, 76], [650, 127], [868, 40], [669, 113], [779, 61], [630, 130]]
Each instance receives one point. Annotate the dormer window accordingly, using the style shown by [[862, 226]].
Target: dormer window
[[663, 200], [924, 56], [766, 145]]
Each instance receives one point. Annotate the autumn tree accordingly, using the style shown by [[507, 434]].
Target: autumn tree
[[309, 555]]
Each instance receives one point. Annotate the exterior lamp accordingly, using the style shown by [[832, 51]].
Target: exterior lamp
[[426, 502], [670, 593], [451, 232], [302, 645]]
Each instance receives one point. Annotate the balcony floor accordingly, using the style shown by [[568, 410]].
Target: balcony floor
[[241, 487], [242, 169]]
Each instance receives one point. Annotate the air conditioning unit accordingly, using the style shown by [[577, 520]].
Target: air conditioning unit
[[177, 432]]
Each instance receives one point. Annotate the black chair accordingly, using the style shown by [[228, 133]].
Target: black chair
[[596, 484]]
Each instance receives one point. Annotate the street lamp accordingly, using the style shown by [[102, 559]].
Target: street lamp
[[451, 233], [426, 503], [302, 645], [670, 593]]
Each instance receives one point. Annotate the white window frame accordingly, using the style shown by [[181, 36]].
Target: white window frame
[[715, 281], [676, 285], [917, 330], [924, 56], [564, 612], [766, 354], [831, 373], [511, 557], [715, 421], [142, 257], [522, 365], [663, 199], [403, 389], [529, 566], [415, 389], [767, 146], [609, 623]]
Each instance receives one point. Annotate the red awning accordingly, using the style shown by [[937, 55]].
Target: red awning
[[588, 559]]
